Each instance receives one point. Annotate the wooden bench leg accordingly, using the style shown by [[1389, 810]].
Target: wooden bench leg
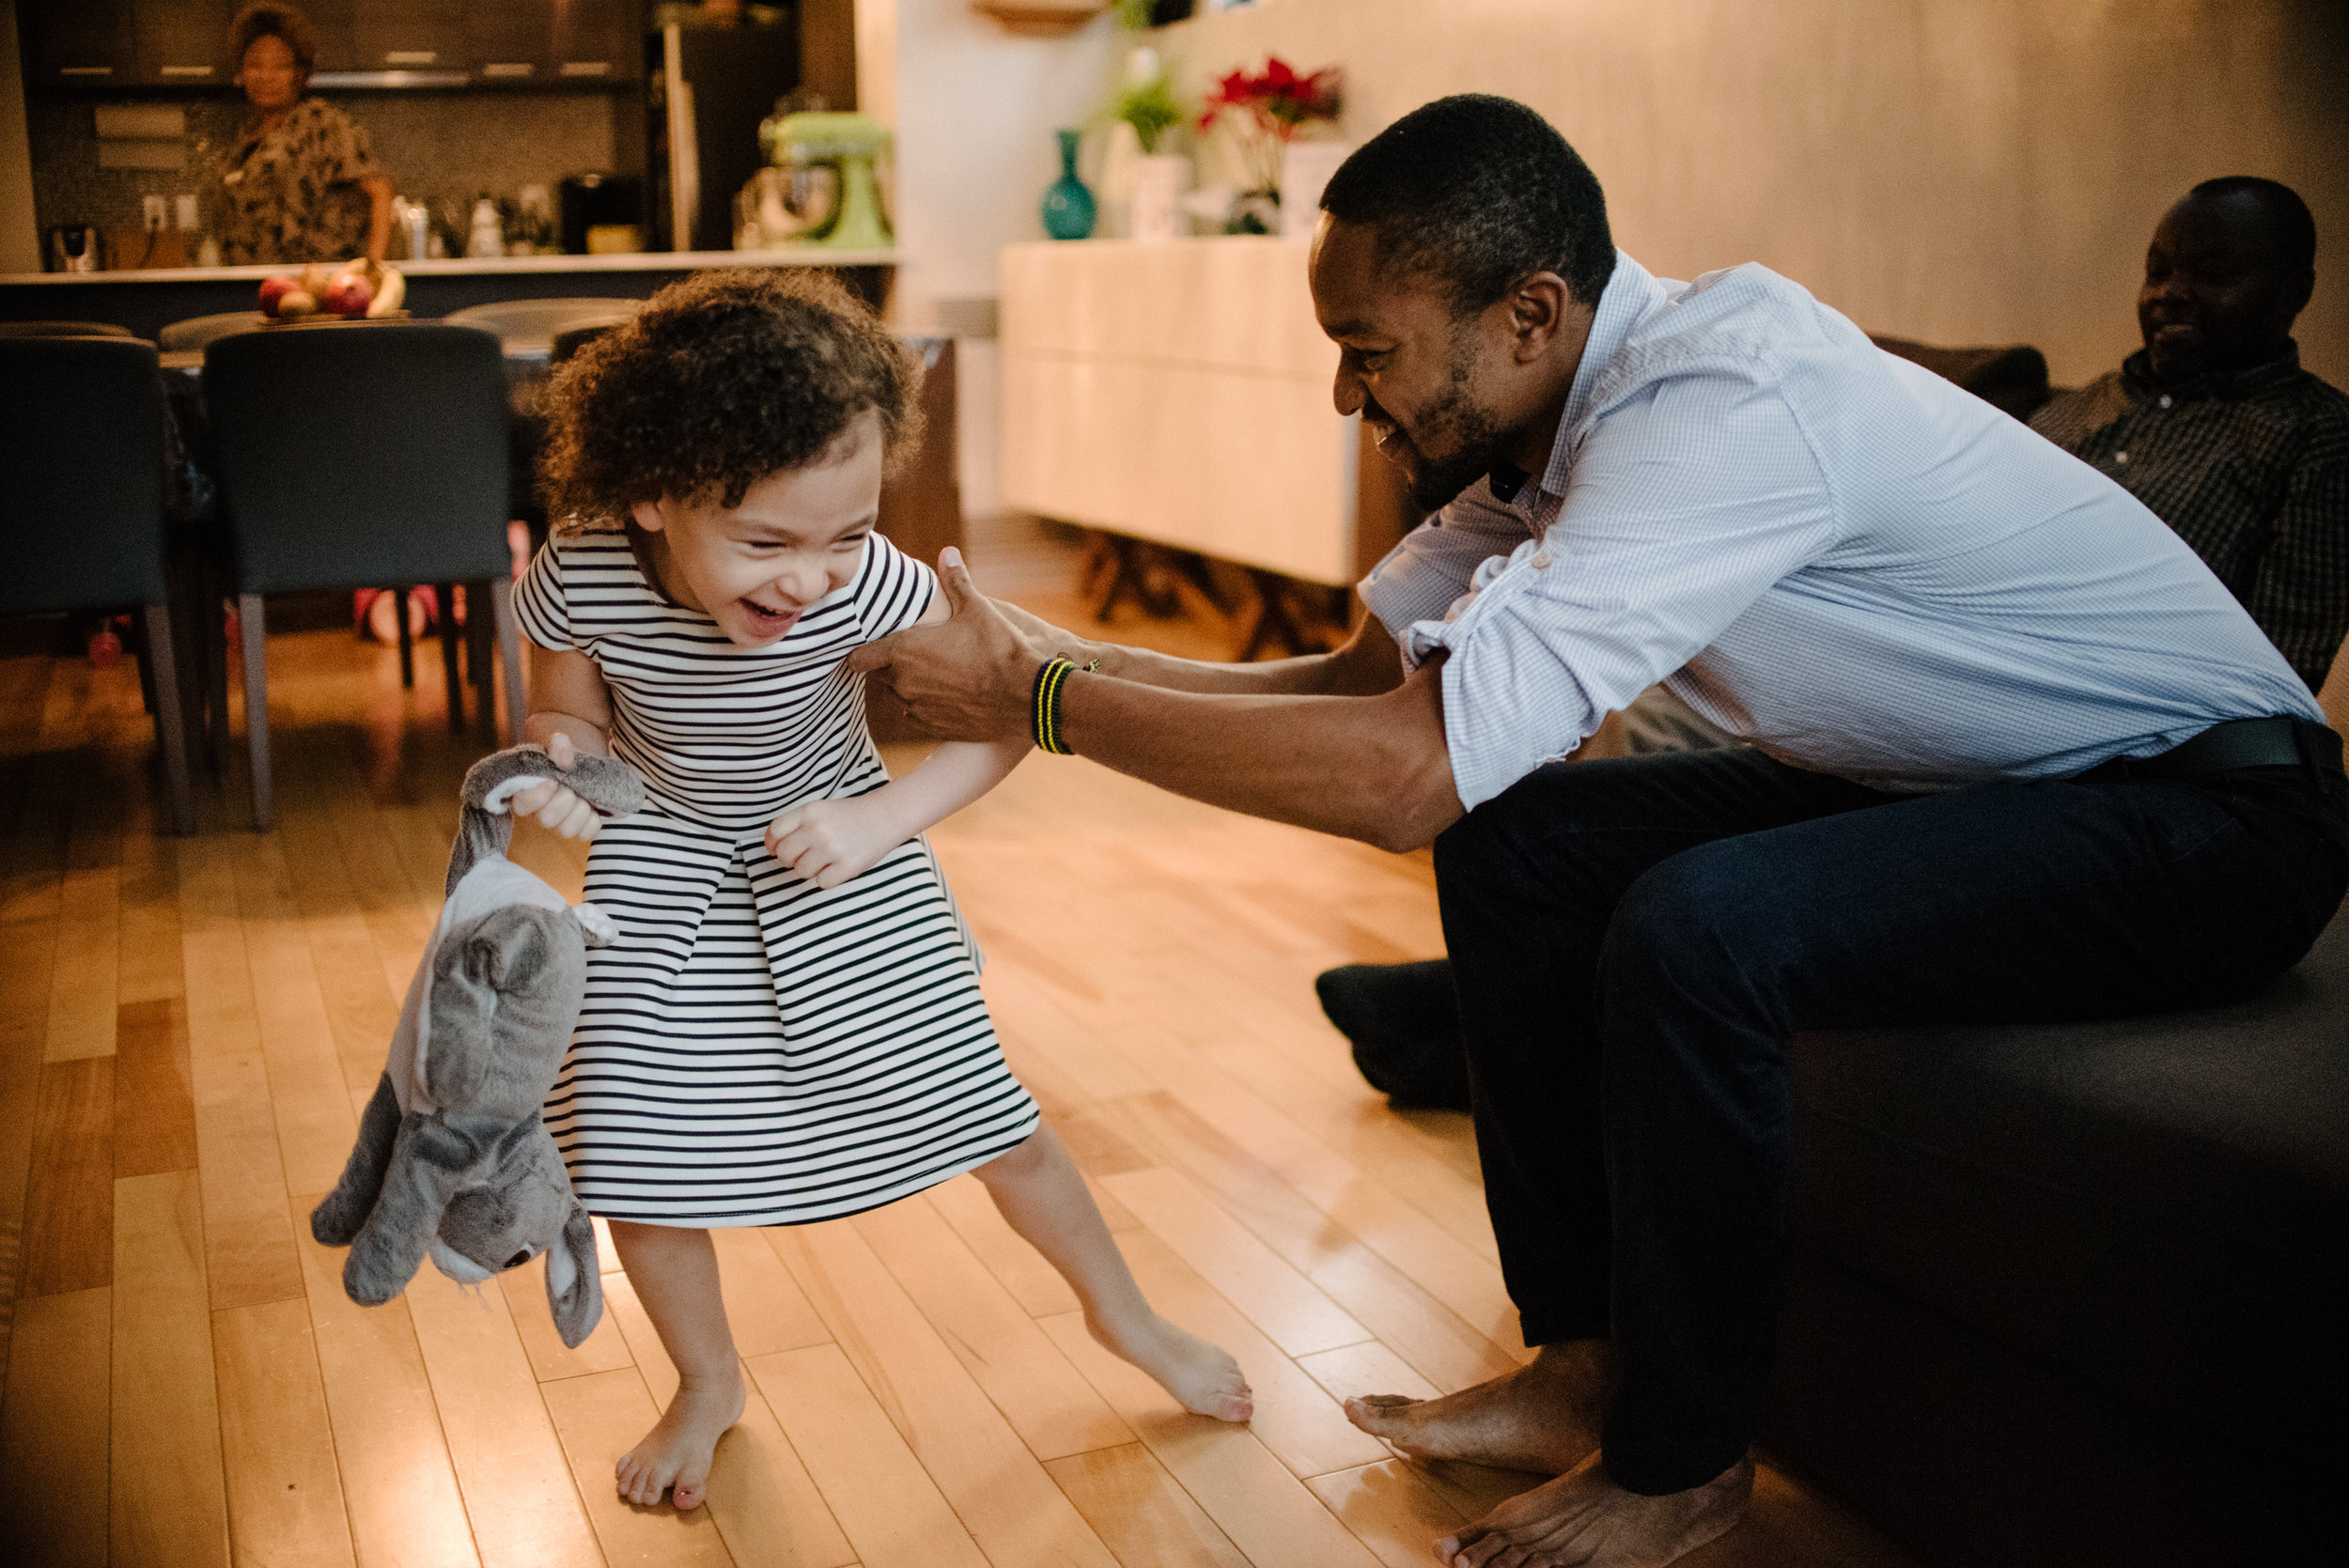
[[407, 642], [170, 717]]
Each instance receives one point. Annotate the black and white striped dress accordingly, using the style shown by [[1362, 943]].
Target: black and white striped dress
[[754, 1050]]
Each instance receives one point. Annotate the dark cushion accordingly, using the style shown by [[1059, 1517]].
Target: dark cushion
[[2157, 1206], [2013, 379], [81, 473]]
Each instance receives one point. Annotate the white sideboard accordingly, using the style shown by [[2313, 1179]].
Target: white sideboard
[[1180, 393]]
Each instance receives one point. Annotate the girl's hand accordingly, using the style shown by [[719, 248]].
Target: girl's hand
[[828, 842], [553, 804]]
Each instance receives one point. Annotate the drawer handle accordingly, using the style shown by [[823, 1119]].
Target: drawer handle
[[587, 67], [508, 69], [411, 56], [86, 70], [187, 70]]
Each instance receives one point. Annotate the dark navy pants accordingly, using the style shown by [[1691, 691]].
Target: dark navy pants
[[1636, 941]]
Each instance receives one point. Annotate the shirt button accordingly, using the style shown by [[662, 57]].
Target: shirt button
[[2165, 399], [1541, 560], [2121, 457]]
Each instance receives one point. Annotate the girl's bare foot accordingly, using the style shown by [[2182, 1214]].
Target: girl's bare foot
[[1202, 1377], [1543, 1416], [674, 1455], [1586, 1520]]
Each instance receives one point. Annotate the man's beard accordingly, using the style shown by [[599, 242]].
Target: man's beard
[[1474, 442]]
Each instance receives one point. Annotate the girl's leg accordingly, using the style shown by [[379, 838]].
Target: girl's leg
[[1038, 1190], [675, 1271]]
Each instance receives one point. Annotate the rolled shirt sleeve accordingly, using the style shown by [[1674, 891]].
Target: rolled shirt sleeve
[[1683, 506]]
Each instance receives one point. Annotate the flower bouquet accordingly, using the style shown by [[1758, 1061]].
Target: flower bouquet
[[1272, 107]]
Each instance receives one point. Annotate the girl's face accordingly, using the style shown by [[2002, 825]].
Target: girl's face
[[798, 535]]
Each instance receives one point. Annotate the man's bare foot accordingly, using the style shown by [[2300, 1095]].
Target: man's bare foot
[[1202, 1376], [1543, 1416], [674, 1455], [1584, 1519]]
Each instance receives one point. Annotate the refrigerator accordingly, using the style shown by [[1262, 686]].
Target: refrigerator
[[708, 88]]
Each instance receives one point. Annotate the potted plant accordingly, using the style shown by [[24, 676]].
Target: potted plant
[[1272, 107], [1145, 104]]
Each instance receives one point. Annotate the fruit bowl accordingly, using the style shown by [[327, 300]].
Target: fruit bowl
[[346, 291]]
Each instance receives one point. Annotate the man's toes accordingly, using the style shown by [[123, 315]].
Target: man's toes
[[1377, 1412]]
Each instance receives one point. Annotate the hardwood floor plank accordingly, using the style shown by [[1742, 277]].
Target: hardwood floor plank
[[766, 1505], [604, 1350], [170, 1499], [1389, 1508], [285, 1494], [994, 1484], [1386, 1300], [53, 1432], [1140, 1512], [70, 1201], [765, 1306], [316, 1126], [1034, 1283], [511, 1469], [1291, 1311], [1261, 1507], [248, 1242], [398, 1481], [602, 1414], [149, 969], [1053, 1409], [1294, 1418], [887, 1505], [82, 995], [154, 1109]]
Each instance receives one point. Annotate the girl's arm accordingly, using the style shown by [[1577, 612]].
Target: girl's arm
[[828, 842], [570, 715]]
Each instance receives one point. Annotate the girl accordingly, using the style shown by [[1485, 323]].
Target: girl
[[790, 1027]]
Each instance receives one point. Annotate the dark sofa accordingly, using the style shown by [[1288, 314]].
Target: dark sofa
[[2078, 1295]]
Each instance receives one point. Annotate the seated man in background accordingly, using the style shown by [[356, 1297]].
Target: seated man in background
[[2212, 424], [2215, 426]]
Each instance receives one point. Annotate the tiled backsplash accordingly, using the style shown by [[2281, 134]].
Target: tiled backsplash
[[437, 146]]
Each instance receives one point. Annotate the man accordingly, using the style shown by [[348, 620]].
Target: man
[[2215, 426], [1945, 641], [2212, 424]]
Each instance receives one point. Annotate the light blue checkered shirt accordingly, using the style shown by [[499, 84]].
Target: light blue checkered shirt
[[1829, 551]]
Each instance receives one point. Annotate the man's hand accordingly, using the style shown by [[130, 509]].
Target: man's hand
[[828, 842], [967, 678], [553, 802]]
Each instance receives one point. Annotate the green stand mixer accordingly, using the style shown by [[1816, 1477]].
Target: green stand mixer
[[849, 145]]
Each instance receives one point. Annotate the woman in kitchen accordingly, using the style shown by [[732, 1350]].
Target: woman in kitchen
[[300, 184]]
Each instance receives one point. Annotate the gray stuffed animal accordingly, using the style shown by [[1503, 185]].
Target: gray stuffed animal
[[453, 1160]]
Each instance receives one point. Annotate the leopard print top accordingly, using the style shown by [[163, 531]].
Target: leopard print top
[[291, 192]]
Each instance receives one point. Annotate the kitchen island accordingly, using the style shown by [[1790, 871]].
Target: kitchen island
[[146, 302]]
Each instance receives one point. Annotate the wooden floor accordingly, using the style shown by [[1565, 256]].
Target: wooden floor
[[188, 1027]]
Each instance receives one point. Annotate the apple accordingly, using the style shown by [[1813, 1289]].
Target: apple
[[296, 303], [273, 291], [348, 294]]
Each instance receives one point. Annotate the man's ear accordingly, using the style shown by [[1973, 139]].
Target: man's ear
[[1539, 309]]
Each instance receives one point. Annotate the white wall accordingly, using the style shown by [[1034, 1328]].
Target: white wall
[[1960, 171], [973, 109]]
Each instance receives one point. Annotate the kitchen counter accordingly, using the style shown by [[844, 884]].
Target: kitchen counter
[[146, 302]]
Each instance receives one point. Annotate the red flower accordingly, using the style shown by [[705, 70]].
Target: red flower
[[1277, 100]]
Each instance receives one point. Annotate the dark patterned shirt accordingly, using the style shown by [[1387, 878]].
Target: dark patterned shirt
[[292, 193], [2251, 468]]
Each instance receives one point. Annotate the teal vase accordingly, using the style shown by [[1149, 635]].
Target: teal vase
[[1067, 205]]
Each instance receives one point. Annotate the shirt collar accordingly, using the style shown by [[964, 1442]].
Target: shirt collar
[[1630, 293], [2256, 380]]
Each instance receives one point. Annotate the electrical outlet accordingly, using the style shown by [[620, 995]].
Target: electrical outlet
[[157, 213], [185, 205]]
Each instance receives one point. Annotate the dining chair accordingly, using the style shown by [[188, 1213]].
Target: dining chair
[[194, 334], [357, 459], [82, 504], [533, 323]]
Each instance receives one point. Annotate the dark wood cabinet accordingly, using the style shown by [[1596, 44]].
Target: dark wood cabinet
[[79, 43], [183, 44], [113, 44]]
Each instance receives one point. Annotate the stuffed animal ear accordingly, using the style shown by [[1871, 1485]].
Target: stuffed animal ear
[[343, 1211], [574, 1283]]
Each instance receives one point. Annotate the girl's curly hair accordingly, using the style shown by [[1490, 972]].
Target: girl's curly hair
[[719, 381]]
